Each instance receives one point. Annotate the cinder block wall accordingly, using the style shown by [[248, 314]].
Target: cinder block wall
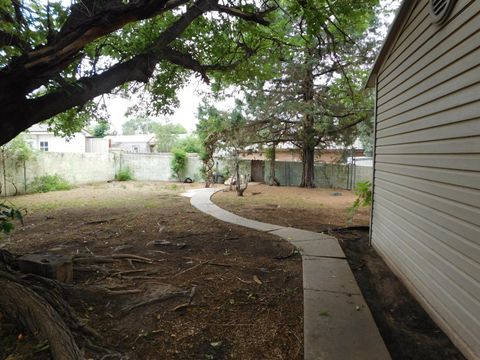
[[86, 168]]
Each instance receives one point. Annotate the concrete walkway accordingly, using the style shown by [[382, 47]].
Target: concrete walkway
[[338, 324]]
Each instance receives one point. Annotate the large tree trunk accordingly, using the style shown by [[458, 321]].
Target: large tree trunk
[[308, 171], [308, 131], [273, 158], [208, 165], [237, 175]]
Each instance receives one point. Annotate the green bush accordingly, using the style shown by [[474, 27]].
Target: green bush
[[46, 183], [124, 174], [8, 213], [363, 190], [179, 162]]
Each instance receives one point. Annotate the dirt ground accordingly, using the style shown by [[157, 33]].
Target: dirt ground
[[210, 290], [406, 328], [326, 208]]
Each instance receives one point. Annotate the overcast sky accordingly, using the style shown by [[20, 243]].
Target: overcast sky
[[190, 97]]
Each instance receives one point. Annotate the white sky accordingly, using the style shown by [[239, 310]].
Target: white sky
[[189, 98]]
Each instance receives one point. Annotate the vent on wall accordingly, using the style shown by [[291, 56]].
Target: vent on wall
[[440, 10]]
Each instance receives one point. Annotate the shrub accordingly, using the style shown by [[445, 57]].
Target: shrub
[[363, 190], [46, 183], [124, 174], [179, 162], [7, 214]]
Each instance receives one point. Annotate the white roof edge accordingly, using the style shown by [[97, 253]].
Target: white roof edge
[[396, 25]]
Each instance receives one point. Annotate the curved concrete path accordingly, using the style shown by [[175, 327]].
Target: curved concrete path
[[338, 324]]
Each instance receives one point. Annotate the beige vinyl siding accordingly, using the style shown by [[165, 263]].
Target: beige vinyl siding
[[426, 212]]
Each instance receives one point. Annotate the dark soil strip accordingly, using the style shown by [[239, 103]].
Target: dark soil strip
[[408, 331]]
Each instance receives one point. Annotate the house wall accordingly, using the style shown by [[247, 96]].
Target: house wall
[[97, 145], [76, 144], [130, 147], [426, 211]]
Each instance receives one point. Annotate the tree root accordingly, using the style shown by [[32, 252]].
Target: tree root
[[38, 304], [28, 308]]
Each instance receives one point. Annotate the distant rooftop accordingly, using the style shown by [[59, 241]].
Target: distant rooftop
[[43, 128], [139, 138]]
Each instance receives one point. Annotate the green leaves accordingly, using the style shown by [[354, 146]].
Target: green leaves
[[179, 162], [363, 190], [8, 214]]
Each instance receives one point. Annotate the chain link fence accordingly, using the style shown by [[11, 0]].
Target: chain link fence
[[340, 176]]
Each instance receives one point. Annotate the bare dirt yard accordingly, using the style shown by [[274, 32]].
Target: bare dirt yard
[[160, 280], [407, 330]]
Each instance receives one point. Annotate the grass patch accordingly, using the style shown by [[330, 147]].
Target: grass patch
[[47, 183]]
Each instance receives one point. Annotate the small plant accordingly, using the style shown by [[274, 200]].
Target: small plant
[[8, 214], [363, 190], [125, 174], [179, 162], [47, 183]]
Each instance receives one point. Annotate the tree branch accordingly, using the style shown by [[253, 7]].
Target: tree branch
[[254, 17], [8, 39]]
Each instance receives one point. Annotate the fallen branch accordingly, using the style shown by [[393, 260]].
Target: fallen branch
[[94, 222], [219, 264], [133, 258], [126, 272], [162, 297], [189, 303], [191, 268]]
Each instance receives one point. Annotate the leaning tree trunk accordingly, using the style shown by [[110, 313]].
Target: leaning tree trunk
[[273, 158]]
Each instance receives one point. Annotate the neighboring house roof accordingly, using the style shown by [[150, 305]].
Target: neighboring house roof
[[288, 146], [43, 129], [393, 31], [140, 138]]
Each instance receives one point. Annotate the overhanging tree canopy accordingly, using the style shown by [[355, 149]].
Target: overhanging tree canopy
[[55, 58]]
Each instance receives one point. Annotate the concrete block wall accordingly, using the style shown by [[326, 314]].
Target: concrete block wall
[[156, 166], [83, 168]]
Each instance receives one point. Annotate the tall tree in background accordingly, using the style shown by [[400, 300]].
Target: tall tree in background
[[101, 129], [319, 95], [167, 135], [138, 125]]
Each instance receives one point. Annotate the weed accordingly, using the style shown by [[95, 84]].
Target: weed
[[47, 183], [179, 162], [8, 213], [363, 190], [124, 174]]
